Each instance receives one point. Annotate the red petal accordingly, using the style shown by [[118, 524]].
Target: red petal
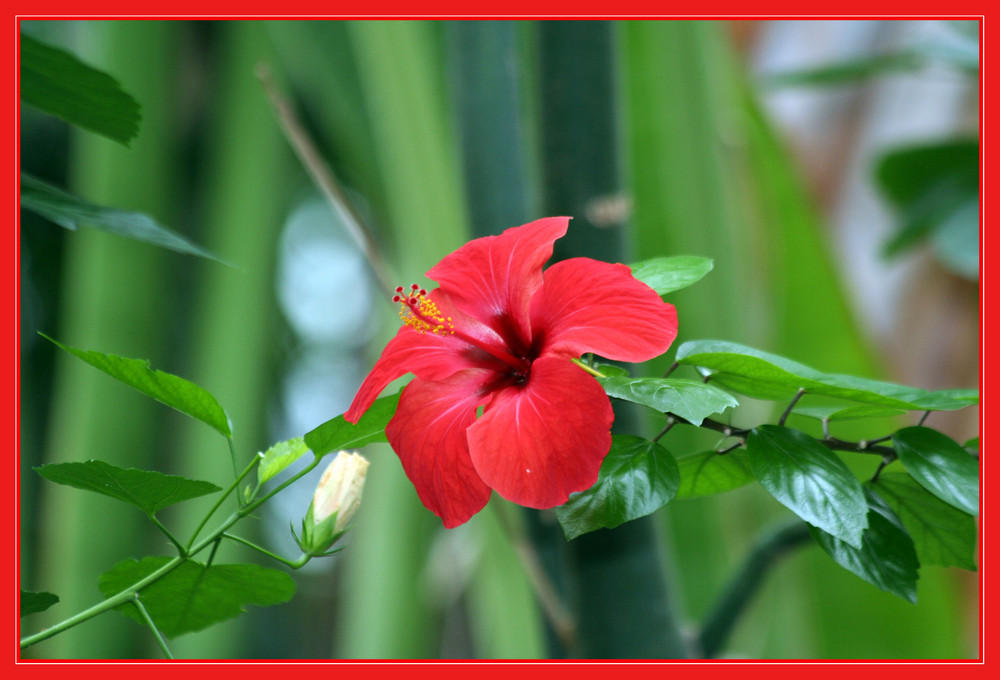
[[493, 278], [538, 442], [590, 306], [426, 355], [428, 435]]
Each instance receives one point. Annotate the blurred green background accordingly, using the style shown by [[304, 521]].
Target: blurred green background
[[660, 138]]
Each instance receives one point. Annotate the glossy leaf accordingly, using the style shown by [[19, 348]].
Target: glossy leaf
[[667, 274], [193, 596], [886, 557], [337, 433], [71, 212], [943, 535], [810, 480], [689, 399], [147, 490], [280, 456], [165, 388], [611, 370], [58, 83], [708, 473], [636, 478], [32, 603], [941, 466], [763, 375]]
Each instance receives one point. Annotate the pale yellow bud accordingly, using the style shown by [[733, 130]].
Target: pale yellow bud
[[339, 490]]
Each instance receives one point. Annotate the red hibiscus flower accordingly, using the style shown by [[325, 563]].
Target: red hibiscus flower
[[500, 334]]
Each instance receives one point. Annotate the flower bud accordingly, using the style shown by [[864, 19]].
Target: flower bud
[[339, 490], [335, 500]]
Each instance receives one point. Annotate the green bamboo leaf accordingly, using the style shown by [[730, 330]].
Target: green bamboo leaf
[[58, 83], [195, 596], [32, 603], [941, 466], [708, 473], [637, 478], [886, 557], [280, 456], [849, 71], [177, 393], [667, 274], [689, 399], [147, 490], [810, 480], [337, 433], [763, 375], [943, 535], [70, 212]]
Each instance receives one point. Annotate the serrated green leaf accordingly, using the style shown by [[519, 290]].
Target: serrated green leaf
[[689, 399], [58, 83], [637, 477], [708, 473], [337, 433], [667, 274], [763, 375], [886, 557], [147, 490], [810, 480], [280, 456], [32, 603], [942, 534], [193, 596], [177, 393], [941, 466], [70, 212]]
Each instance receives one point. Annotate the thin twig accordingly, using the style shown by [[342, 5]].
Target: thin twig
[[795, 399], [324, 179], [152, 626]]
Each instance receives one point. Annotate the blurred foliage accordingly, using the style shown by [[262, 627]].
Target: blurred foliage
[[696, 169]]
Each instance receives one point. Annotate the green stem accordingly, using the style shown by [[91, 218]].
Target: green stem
[[152, 626], [222, 498], [745, 584], [296, 564], [121, 598], [128, 594], [170, 536], [589, 369], [236, 470]]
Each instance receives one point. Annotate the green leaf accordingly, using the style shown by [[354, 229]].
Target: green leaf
[[762, 375], [193, 596], [148, 491], [886, 558], [637, 478], [279, 457], [708, 473], [611, 370], [70, 212], [972, 443], [941, 466], [165, 388], [689, 399], [935, 188], [58, 83], [339, 434], [943, 535], [32, 603], [810, 480], [855, 412], [667, 274]]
